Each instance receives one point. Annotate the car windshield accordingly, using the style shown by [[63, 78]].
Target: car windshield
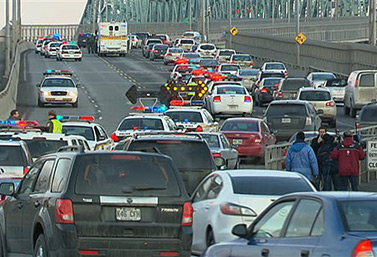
[[294, 84], [189, 34], [141, 124], [208, 62], [191, 56], [70, 47], [58, 82], [226, 53], [231, 90], [322, 77], [336, 83], [12, 156], [187, 41], [240, 126], [369, 114], [279, 110], [241, 58], [315, 96], [175, 50], [86, 132], [275, 66], [269, 185], [252, 72], [271, 82], [121, 174], [185, 116], [41, 147], [359, 216], [188, 155], [274, 75], [212, 140], [55, 45], [207, 47], [230, 68]]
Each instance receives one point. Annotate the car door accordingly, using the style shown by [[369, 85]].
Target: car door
[[266, 232], [269, 138], [15, 236], [303, 231]]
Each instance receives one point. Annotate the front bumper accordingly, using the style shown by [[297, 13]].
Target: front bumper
[[58, 99]]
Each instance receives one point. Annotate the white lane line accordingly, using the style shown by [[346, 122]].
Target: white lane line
[[99, 111]]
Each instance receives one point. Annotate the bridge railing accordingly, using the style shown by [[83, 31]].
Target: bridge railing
[[69, 32]]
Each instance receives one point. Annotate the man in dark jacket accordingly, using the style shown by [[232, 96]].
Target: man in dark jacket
[[318, 141], [348, 154], [328, 168], [14, 115]]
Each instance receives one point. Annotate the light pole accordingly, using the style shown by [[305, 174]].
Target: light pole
[[7, 39], [298, 30], [14, 27], [190, 13], [19, 19], [230, 21]]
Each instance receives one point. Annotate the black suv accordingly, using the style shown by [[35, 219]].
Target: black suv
[[98, 204], [190, 152]]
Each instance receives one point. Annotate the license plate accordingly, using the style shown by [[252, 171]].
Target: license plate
[[128, 214], [71, 52], [237, 141], [232, 106], [286, 120]]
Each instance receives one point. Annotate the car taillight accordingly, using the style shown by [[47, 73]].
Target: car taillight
[[25, 170], [149, 50], [217, 99], [88, 252], [187, 216], [234, 209], [80, 52], [363, 249], [114, 137], [168, 54], [216, 155], [264, 90], [280, 95], [308, 121], [286, 73], [247, 99], [256, 138], [64, 52], [45, 47], [357, 125], [199, 129], [232, 62], [155, 51], [64, 211], [169, 253], [330, 104], [356, 83], [252, 63], [166, 42]]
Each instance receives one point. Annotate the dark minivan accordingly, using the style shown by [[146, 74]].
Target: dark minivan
[[98, 204]]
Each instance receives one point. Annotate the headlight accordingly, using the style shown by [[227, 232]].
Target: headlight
[[72, 93], [46, 93]]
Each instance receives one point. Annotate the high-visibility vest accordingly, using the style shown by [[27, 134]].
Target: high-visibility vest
[[57, 126]]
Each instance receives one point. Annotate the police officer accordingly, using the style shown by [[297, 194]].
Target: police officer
[[54, 125], [89, 44]]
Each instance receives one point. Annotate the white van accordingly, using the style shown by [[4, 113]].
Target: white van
[[361, 89], [112, 38]]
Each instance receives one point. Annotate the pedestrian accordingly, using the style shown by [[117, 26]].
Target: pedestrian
[[328, 168], [301, 158], [348, 154], [14, 115], [89, 43], [318, 141], [54, 125]]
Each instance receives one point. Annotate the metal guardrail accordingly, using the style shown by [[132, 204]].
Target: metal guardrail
[[274, 158]]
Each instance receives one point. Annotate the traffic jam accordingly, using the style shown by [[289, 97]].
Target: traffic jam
[[170, 179]]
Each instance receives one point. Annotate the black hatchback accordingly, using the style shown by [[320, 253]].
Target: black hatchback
[[98, 204]]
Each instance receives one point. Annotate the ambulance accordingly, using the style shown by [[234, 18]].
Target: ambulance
[[112, 38]]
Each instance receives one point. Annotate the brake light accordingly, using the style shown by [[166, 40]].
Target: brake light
[[155, 51], [199, 129], [198, 72], [233, 209], [181, 61], [252, 63], [217, 155], [256, 138], [88, 252], [64, 212], [264, 90], [247, 99], [114, 137], [169, 253], [308, 121], [232, 62], [80, 52], [330, 104], [356, 83], [286, 73], [168, 54], [280, 95], [187, 216], [138, 108], [64, 52], [25, 170], [166, 42], [363, 249], [217, 99], [357, 125]]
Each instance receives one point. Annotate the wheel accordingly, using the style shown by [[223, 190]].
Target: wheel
[[76, 104], [346, 110], [333, 124], [152, 59], [80, 59], [238, 164], [40, 248], [210, 238], [40, 104], [36, 52], [353, 112], [46, 56]]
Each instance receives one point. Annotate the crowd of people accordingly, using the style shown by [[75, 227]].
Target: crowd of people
[[328, 164]]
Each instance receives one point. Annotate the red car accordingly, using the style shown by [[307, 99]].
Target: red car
[[249, 136]]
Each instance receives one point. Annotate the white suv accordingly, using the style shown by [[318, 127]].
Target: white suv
[[207, 50], [15, 158]]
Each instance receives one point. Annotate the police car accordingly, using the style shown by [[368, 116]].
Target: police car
[[57, 87], [69, 51], [94, 133]]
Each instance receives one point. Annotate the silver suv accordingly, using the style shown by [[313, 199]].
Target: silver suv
[[15, 158]]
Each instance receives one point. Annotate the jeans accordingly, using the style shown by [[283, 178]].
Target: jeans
[[346, 180]]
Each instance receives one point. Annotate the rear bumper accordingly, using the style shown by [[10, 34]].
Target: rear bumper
[[71, 56], [250, 151], [240, 108], [327, 117], [265, 98]]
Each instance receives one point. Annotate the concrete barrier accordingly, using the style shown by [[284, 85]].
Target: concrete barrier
[[8, 97]]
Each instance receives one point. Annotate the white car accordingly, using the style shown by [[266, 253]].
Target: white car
[[224, 55], [15, 158], [193, 35], [57, 90], [69, 51], [274, 67], [38, 46], [207, 50], [229, 100], [172, 54], [143, 122], [134, 40], [193, 119], [322, 101], [94, 133], [243, 60], [227, 198], [229, 69], [318, 79], [186, 44], [52, 48]]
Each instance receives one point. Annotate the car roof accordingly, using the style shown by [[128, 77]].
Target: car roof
[[322, 89], [277, 102], [260, 173], [169, 137], [47, 136], [11, 143], [57, 77], [320, 72], [339, 195], [186, 110], [274, 63], [304, 79], [244, 119], [80, 123], [146, 116]]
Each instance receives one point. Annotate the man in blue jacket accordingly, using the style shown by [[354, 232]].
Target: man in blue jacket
[[301, 158]]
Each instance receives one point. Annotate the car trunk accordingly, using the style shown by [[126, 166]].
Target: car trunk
[[287, 121], [256, 202], [239, 138], [233, 100]]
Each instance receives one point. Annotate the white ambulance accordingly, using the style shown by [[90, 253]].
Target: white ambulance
[[112, 38]]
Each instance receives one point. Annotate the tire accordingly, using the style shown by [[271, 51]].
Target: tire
[[80, 59], [210, 238], [46, 56], [238, 163], [76, 104], [333, 124], [346, 110], [40, 248], [40, 104], [353, 112]]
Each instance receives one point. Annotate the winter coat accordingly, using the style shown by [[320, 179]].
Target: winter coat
[[327, 165], [301, 158]]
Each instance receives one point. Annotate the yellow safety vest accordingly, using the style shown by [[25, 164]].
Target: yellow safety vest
[[57, 126]]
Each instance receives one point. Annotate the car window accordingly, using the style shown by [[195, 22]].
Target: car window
[[240, 126], [74, 142], [241, 58], [303, 218], [70, 47], [251, 72], [141, 124], [359, 215], [43, 180], [367, 80], [323, 76], [56, 82], [271, 224], [103, 132], [229, 67], [209, 189], [208, 116], [319, 225], [212, 140], [187, 41], [231, 91], [207, 47], [265, 128], [39, 147], [369, 114], [225, 142], [98, 135], [185, 116], [12, 155], [274, 66], [215, 188], [86, 132], [60, 175], [271, 82], [80, 142], [279, 110], [315, 96], [29, 179], [294, 84], [86, 146]]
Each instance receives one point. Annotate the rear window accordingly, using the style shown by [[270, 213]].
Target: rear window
[[274, 74], [185, 116], [187, 41], [55, 45], [279, 110], [315, 96], [240, 126], [70, 47], [226, 53], [230, 68], [188, 155], [207, 47], [86, 132], [369, 115], [275, 66], [336, 83], [269, 185], [367, 80], [12, 156], [58, 82], [241, 58], [175, 50], [141, 124], [206, 62], [189, 34], [191, 55], [161, 47], [271, 82], [253, 72], [294, 85], [359, 216], [154, 41], [212, 140], [120, 174], [231, 91], [322, 77], [41, 147]]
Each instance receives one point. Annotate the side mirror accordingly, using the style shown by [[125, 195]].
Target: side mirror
[[320, 112], [38, 85], [240, 230], [7, 188], [220, 162]]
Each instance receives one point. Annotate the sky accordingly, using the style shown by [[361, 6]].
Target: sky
[[47, 11]]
